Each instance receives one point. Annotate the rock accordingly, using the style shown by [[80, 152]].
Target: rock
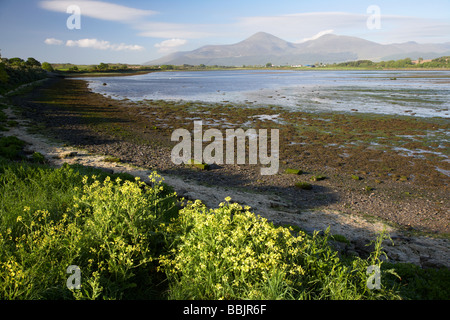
[[68, 155], [363, 247], [431, 263]]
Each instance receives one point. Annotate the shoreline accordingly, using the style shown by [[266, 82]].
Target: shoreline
[[101, 128], [139, 134]]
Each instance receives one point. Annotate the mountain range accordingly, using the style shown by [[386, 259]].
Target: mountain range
[[262, 48]]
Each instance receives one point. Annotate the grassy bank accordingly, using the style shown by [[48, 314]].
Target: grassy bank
[[137, 241]]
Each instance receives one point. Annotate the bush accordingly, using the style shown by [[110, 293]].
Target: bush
[[131, 241], [51, 219], [47, 67], [229, 253], [11, 148]]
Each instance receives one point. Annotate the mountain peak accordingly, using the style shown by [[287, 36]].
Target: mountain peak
[[264, 37], [262, 47]]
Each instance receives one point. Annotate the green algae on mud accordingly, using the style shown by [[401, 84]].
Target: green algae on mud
[[336, 145]]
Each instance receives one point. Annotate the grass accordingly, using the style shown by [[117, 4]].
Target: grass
[[112, 159], [133, 240], [293, 171], [303, 185], [318, 178]]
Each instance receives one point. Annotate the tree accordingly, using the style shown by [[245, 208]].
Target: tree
[[167, 67], [103, 66], [3, 74], [47, 67], [16, 62], [32, 62], [269, 65]]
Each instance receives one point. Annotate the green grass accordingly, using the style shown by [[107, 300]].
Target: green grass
[[318, 178], [293, 171], [112, 159], [304, 185], [11, 148], [133, 240]]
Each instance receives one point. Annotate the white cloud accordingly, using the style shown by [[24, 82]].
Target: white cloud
[[294, 27], [301, 25], [102, 45], [171, 45], [318, 35], [53, 41], [99, 10], [174, 30]]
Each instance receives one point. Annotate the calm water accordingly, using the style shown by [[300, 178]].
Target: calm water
[[415, 93]]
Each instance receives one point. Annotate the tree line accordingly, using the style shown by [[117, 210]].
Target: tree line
[[442, 62], [16, 71]]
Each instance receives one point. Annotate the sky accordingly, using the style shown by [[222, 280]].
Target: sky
[[137, 31]]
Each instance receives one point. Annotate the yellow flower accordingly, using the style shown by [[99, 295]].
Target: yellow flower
[[228, 199]]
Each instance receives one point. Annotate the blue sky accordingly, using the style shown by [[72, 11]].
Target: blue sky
[[139, 31]]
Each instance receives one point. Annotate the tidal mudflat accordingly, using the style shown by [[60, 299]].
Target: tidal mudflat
[[420, 94], [389, 167]]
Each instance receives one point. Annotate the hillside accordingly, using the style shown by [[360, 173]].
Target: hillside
[[262, 48]]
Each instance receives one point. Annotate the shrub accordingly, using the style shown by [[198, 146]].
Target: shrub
[[51, 219], [128, 238], [11, 148], [229, 253], [38, 157]]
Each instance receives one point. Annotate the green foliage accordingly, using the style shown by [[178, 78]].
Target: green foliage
[[318, 178], [3, 74], [103, 66], [303, 185], [32, 62], [229, 253], [416, 283], [132, 241], [111, 159], [293, 171], [11, 148], [442, 62], [47, 67], [38, 157], [51, 219], [167, 67], [359, 63], [15, 72], [18, 62]]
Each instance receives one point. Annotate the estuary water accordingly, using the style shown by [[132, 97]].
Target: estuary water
[[411, 93]]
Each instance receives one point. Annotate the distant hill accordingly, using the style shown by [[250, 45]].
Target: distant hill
[[262, 48]]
